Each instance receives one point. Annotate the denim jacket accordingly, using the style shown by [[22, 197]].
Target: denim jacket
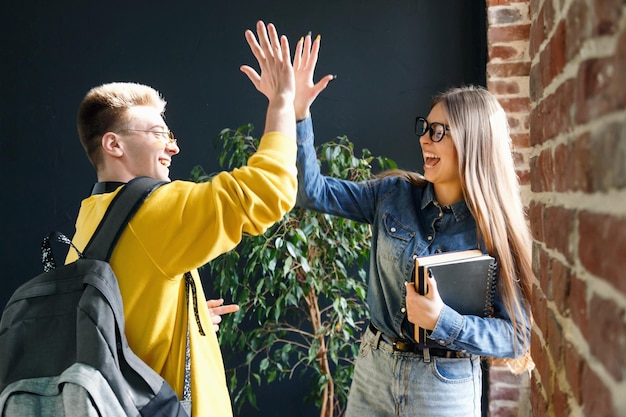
[[406, 222]]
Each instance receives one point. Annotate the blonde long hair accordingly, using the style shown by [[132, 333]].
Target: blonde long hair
[[491, 190]]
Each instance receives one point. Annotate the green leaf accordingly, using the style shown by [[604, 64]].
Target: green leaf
[[292, 250]]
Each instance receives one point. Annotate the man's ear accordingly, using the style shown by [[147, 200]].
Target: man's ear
[[111, 145]]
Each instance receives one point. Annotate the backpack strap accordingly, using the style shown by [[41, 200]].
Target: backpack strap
[[124, 205]]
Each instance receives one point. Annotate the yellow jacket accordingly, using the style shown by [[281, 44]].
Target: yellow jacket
[[179, 228]]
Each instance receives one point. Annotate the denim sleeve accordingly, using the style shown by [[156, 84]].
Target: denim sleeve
[[353, 200], [490, 336]]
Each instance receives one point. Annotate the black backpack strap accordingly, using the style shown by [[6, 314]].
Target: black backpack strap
[[124, 205]]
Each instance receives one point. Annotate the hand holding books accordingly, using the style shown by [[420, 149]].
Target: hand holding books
[[423, 311], [466, 282]]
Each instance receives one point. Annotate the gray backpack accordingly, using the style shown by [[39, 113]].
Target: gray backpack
[[63, 351]]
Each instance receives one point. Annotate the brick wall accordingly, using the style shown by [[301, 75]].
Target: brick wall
[[577, 206], [508, 69], [559, 69]]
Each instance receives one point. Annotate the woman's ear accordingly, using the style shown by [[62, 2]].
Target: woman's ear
[[111, 145]]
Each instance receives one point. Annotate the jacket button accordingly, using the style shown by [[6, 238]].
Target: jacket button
[[393, 230]]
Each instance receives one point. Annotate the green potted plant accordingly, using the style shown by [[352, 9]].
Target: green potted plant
[[301, 285]]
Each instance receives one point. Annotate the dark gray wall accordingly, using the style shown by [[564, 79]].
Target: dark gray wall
[[390, 58]]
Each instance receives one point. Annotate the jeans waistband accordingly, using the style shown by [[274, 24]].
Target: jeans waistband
[[399, 345]]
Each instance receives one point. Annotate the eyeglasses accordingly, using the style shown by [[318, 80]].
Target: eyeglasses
[[437, 130], [165, 137]]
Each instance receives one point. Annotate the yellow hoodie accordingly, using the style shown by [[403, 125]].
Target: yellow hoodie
[[180, 227]]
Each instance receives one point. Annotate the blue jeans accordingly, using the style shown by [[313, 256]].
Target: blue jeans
[[388, 383]]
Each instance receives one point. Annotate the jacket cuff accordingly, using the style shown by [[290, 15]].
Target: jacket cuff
[[304, 130], [448, 326]]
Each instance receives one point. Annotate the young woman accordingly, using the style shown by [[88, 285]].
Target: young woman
[[467, 198]]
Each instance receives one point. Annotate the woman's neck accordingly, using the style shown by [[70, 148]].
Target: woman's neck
[[448, 194]]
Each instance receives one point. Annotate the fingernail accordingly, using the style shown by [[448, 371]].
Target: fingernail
[[308, 34], [318, 37], [334, 77], [301, 38]]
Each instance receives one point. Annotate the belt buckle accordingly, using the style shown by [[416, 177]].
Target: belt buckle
[[402, 346]]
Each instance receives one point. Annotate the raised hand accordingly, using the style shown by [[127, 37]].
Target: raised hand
[[274, 59], [276, 81], [304, 62]]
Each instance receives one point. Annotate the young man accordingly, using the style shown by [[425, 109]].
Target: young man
[[183, 225]]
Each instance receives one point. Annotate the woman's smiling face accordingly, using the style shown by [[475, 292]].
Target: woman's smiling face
[[441, 161]]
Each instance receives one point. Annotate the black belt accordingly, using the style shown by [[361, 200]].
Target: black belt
[[400, 345]]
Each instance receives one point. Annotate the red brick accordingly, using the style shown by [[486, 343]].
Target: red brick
[[535, 83], [563, 167], [539, 405], [573, 369], [535, 217], [596, 396], [558, 109], [501, 392], [601, 246], [545, 60], [503, 87], [557, 53], [578, 28], [515, 104], [542, 366], [506, 69], [540, 314], [508, 33], [578, 305], [503, 375], [542, 172], [608, 327], [560, 285], [537, 33], [592, 163], [550, 14], [520, 140], [599, 159], [513, 122], [560, 406], [503, 52], [558, 225], [597, 91], [554, 341], [498, 410]]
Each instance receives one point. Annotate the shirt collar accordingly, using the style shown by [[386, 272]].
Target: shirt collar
[[459, 209], [105, 187]]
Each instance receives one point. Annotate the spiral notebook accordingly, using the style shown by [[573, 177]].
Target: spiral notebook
[[466, 281]]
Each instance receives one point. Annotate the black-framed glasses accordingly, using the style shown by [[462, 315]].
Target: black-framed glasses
[[166, 137], [437, 130]]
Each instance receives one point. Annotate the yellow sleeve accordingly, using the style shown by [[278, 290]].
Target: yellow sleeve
[[184, 225]]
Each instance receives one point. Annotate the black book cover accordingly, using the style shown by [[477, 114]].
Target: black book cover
[[466, 281]]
